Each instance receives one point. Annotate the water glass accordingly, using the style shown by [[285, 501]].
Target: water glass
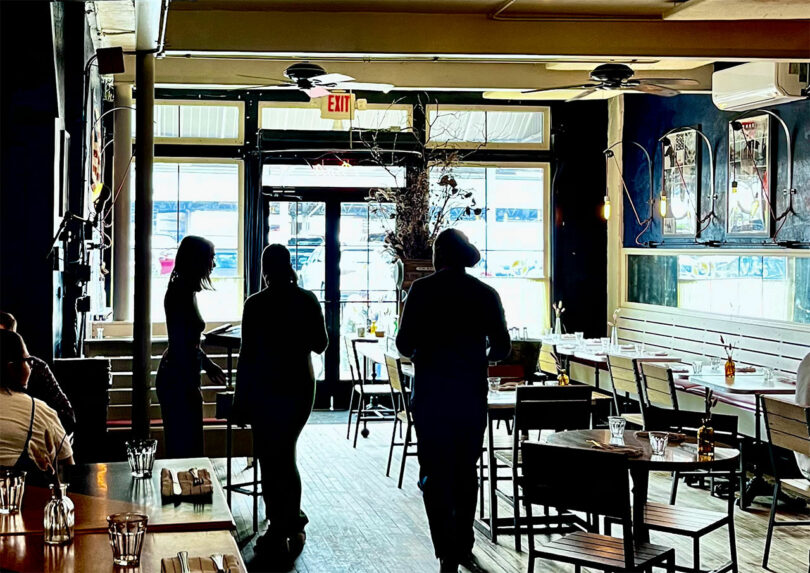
[[12, 488], [494, 383], [580, 337], [126, 537], [770, 374], [715, 364], [658, 442], [697, 367], [616, 425], [605, 341], [141, 457]]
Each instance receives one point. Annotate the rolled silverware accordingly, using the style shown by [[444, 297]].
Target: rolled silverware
[[219, 562], [176, 489], [195, 476], [183, 557]]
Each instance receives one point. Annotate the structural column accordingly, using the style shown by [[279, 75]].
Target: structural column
[[142, 319], [122, 167]]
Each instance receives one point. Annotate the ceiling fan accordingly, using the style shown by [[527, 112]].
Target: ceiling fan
[[612, 77], [313, 80]]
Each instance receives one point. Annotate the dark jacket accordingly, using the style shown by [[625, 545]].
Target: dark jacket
[[42, 384], [449, 319], [280, 328]]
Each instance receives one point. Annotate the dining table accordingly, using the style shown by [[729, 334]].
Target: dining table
[[101, 489], [91, 552], [677, 457]]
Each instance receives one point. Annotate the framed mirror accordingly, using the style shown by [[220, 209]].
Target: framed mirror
[[749, 177], [681, 182]]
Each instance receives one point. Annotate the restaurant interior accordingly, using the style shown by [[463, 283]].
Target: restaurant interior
[[634, 176]]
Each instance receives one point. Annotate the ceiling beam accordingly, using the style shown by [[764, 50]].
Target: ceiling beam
[[406, 75], [370, 33], [737, 9]]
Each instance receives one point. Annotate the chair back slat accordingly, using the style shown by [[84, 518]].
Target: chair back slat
[[546, 360], [724, 425], [356, 355], [351, 357], [623, 374], [562, 477], [554, 408], [788, 425], [658, 384], [393, 367]]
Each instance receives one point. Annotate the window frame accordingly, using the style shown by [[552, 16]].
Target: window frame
[[309, 105], [545, 145], [179, 140]]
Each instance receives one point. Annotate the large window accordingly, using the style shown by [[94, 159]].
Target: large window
[[767, 286], [503, 127], [303, 116], [196, 197], [196, 122], [511, 234]]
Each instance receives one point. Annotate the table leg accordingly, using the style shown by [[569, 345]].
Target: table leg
[[228, 436], [641, 481], [596, 377], [493, 478], [756, 485]]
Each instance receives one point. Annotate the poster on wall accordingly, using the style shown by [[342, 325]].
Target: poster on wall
[[749, 184], [681, 175]]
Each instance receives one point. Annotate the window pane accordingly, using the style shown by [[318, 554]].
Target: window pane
[[332, 176], [486, 126], [515, 126], [309, 119], [449, 125], [209, 121], [167, 121], [515, 209]]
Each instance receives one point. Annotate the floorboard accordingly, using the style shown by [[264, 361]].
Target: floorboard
[[361, 523]]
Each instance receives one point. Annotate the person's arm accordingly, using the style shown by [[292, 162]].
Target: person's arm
[[320, 338], [409, 323], [247, 353], [500, 344], [43, 385]]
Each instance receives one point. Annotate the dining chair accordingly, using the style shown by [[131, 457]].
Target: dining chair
[[624, 378], [658, 387], [546, 363], [539, 408], [562, 477], [367, 407], [788, 427], [403, 416]]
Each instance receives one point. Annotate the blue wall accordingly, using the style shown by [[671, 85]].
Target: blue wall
[[646, 118]]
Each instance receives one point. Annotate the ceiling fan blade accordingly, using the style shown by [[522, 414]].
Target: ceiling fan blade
[[581, 95], [654, 89], [359, 86], [674, 82], [576, 87], [263, 78], [316, 91], [325, 79]]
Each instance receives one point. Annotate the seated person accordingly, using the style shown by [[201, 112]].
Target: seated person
[[42, 384], [31, 436], [803, 399]]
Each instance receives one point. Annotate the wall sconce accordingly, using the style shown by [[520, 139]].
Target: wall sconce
[[790, 192], [703, 222], [644, 224]]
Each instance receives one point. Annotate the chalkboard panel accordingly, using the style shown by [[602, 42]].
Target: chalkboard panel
[[801, 297], [652, 280]]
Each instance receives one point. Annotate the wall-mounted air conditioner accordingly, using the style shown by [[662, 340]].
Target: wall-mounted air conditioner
[[759, 84]]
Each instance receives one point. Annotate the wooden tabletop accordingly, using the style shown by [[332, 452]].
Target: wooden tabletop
[[98, 490], [743, 383], [376, 353], [91, 552], [677, 456]]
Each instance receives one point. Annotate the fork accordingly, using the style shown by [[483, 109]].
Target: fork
[[195, 477]]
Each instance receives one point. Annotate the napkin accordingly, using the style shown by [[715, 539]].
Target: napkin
[[186, 484], [748, 369], [674, 437], [200, 565], [511, 386], [631, 451]]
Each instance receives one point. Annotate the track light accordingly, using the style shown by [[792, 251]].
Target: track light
[[662, 205], [606, 208]]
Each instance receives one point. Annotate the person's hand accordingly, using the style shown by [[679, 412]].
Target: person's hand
[[216, 374]]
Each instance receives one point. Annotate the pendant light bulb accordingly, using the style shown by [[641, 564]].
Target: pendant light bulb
[[606, 208], [662, 206]]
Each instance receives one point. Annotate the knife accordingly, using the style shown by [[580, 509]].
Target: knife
[[176, 489], [183, 557], [218, 562]]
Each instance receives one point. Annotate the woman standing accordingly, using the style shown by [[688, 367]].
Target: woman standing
[[178, 376], [275, 389]]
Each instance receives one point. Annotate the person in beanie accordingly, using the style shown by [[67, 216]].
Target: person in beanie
[[452, 325]]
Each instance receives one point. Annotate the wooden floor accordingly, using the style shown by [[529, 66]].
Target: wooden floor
[[361, 523]]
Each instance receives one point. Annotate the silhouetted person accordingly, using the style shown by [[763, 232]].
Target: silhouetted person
[[448, 320], [31, 436], [42, 384], [178, 376], [275, 389]]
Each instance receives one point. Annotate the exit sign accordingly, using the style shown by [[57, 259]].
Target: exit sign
[[338, 106]]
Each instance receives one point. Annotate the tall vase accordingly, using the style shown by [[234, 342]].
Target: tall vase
[[614, 338], [557, 327]]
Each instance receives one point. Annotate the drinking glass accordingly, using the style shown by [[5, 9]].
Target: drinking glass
[[494, 383], [616, 425], [715, 364], [770, 374], [658, 442], [637, 349], [126, 537], [141, 457], [12, 488], [580, 337], [697, 366], [605, 341]]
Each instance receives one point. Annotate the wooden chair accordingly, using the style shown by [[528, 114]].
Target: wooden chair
[[368, 395], [625, 380], [546, 363], [403, 416], [788, 427], [541, 408], [658, 388], [562, 477]]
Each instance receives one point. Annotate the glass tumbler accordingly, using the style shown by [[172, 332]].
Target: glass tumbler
[[697, 367], [141, 457], [616, 425], [658, 442], [494, 383], [126, 537], [12, 488]]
